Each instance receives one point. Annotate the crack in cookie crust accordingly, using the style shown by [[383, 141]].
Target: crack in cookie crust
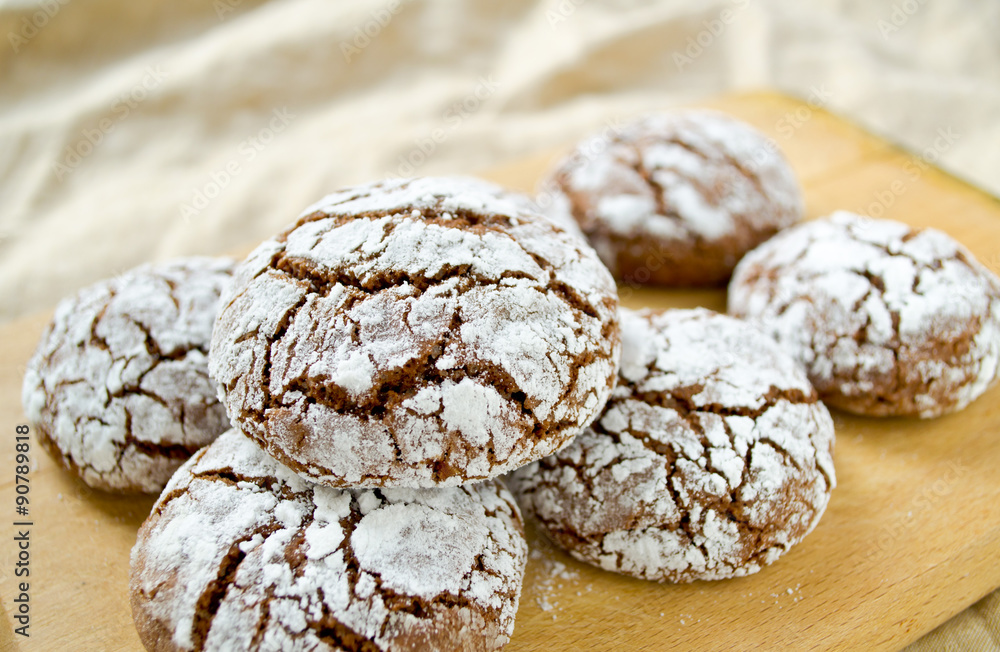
[[241, 553], [119, 387], [888, 320], [421, 333], [712, 458]]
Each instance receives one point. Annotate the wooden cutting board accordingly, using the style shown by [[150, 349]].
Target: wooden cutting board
[[911, 536]]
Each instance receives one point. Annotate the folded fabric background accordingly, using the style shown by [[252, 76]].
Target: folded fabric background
[[136, 131]]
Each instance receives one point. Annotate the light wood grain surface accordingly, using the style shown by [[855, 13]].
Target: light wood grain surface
[[910, 538]]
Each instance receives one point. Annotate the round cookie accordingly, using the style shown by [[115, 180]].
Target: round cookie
[[712, 458], [888, 320], [241, 553], [676, 198], [118, 387], [417, 333]]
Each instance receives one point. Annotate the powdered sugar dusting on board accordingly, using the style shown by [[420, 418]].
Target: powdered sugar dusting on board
[[712, 458], [875, 309], [119, 385], [289, 565], [351, 342], [547, 578]]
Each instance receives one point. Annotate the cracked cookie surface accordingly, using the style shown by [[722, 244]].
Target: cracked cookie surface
[[424, 332], [888, 320], [118, 387], [676, 198], [241, 553], [712, 458]]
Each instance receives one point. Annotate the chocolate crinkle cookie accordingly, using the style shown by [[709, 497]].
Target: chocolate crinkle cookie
[[712, 458], [424, 332], [240, 553], [889, 320], [118, 388], [675, 198]]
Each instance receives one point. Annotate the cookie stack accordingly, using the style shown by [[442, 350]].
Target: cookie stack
[[382, 361]]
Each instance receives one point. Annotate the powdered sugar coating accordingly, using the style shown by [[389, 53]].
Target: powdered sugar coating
[[118, 386], [887, 319], [712, 458], [676, 198], [419, 332], [242, 553]]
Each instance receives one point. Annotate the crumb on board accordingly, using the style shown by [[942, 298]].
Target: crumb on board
[[551, 577]]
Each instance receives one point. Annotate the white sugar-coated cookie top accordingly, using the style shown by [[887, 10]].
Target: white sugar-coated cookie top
[[466, 194], [711, 459], [877, 307], [733, 364], [414, 333], [454, 194], [425, 250], [119, 382], [683, 174], [289, 565]]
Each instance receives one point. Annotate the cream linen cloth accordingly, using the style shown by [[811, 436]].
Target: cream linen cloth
[[133, 131]]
